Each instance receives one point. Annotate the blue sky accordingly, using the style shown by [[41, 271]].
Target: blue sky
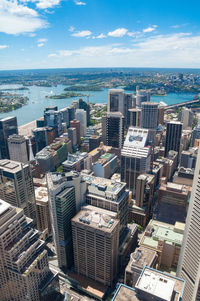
[[99, 33]]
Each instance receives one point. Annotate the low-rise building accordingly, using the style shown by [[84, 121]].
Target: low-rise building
[[165, 239], [138, 260], [106, 166], [158, 286], [184, 176], [77, 162], [172, 201], [152, 285]]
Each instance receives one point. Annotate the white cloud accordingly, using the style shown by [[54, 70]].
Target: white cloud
[[17, 18], [133, 33], [92, 51], [3, 46], [119, 32], [150, 28], [40, 45], [43, 4], [82, 34], [101, 36], [42, 40], [79, 2], [179, 50]]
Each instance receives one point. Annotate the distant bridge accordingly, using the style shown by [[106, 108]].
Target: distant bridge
[[183, 104]]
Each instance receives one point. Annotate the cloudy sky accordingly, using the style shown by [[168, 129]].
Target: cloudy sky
[[99, 33]]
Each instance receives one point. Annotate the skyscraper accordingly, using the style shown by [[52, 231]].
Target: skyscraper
[[186, 117], [113, 129], [17, 148], [118, 101], [8, 127], [141, 96], [76, 124], [85, 106], [135, 156], [16, 186], [95, 244], [134, 117], [64, 198], [53, 119], [23, 259], [82, 117], [149, 118], [189, 260], [173, 136]]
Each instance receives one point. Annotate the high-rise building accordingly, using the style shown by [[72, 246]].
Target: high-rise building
[[113, 129], [76, 124], [71, 111], [195, 134], [24, 270], [161, 113], [186, 117], [118, 101], [149, 115], [82, 117], [189, 260], [16, 186], [149, 118], [94, 142], [86, 107], [135, 156], [53, 119], [134, 117], [108, 194], [17, 148], [142, 96], [8, 127], [65, 196], [72, 136], [173, 136], [95, 244], [43, 213], [65, 116]]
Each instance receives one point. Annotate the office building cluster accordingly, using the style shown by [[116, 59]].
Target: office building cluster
[[108, 207]]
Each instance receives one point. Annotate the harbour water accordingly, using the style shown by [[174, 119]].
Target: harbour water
[[37, 100]]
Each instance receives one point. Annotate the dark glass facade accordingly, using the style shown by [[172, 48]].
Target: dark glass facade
[[8, 127], [83, 105], [114, 103]]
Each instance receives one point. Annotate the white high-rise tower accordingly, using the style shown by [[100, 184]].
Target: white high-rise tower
[[189, 260]]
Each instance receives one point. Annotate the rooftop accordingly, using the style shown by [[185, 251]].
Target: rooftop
[[11, 166], [156, 230], [103, 187], [96, 218], [116, 91], [54, 179], [125, 293], [136, 137], [141, 257], [15, 137], [161, 285], [3, 206], [41, 194]]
